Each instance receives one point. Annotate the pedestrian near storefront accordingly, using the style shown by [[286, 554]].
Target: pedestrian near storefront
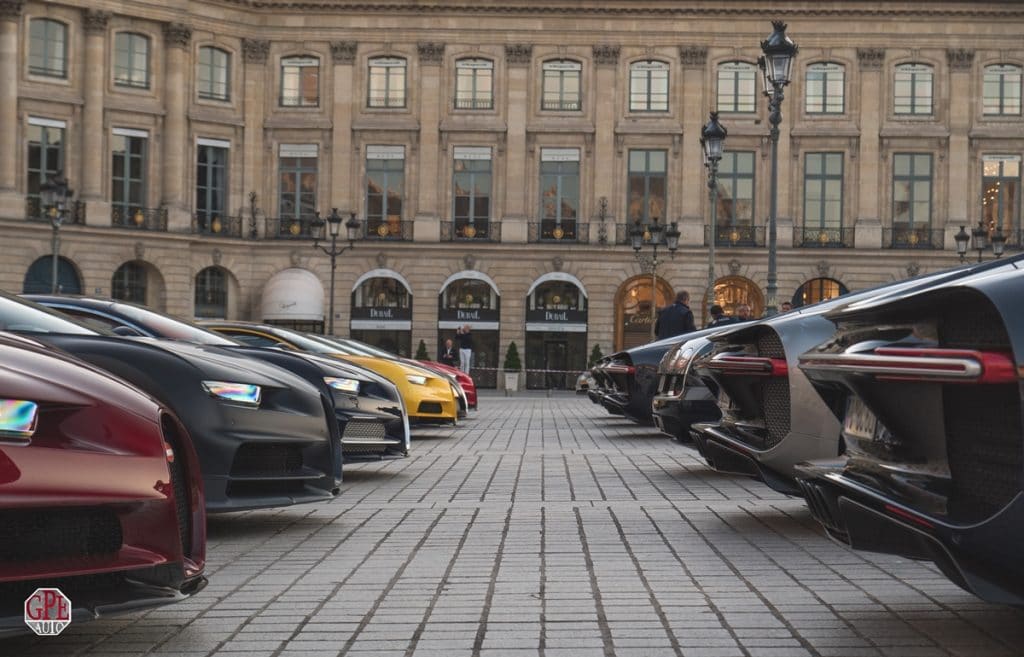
[[464, 336], [718, 317], [677, 319], [448, 356]]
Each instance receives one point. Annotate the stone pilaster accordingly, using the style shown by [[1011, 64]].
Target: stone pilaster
[[694, 187], [868, 224], [93, 88], [514, 221], [343, 54], [177, 38], [603, 163], [11, 205], [958, 162], [255, 53], [427, 223]]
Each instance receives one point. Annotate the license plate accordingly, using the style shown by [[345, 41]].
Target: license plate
[[860, 422]]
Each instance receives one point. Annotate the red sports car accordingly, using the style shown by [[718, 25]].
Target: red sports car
[[465, 380], [100, 493]]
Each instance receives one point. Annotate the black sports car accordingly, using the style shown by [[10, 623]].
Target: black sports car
[[370, 413], [928, 386], [260, 432], [683, 398]]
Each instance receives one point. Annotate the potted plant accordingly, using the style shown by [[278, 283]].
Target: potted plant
[[512, 368], [421, 351], [595, 355]]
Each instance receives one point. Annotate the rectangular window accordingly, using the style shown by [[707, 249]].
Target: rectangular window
[[127, 175], [45, 154], [912, 89], [131, 60], [471, 192], [648, 87], [300, 82], [647, 190], [823, 190], [736, 189], [562, 86], [1000, 200], [387, 82], [211, 187], [559, 192], [1002, 90], [737, 87], [825, 88], [214, 74], [48, 48], [474, 84], [297, 183], [385, 190], [912, 191]]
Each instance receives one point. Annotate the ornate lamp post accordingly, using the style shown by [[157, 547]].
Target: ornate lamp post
[[776, 65], [54, 196], [712, 143], [353, 228], [652, 235], [980, 238]]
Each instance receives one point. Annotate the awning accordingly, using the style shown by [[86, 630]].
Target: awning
[[293, 295]]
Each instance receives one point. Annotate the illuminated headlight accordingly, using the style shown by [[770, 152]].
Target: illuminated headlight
[[244, 394], [18, 418], [417, 379], [339, 383]]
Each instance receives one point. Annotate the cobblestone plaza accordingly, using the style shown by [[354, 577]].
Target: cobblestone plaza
[[544, 526]]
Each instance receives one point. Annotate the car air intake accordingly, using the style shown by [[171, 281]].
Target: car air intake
[[775, 390], [48, 533], [364, 431], [430, 407], [179, 482], [255, 459]]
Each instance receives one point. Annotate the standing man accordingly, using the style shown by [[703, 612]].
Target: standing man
[[465, 338], [718, 317], [448, 353], [676, 319], [743, 313]]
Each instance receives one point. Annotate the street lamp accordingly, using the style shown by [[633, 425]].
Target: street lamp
[[54, 195], [652, 235], [776, 64], [712, 143], [333, 223], [980, 238]]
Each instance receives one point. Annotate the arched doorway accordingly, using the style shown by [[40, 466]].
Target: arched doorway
[[732, 292], [471, 297], [294, 298], [818, 289], [556, 331], [634, 310], [137, 281], [382, 311], [39, 277]]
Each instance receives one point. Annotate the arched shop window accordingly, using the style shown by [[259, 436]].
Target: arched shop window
[[635, 310], [818, 289], [471, 297], [39, 277], [556, 332], [732, 292], [212, 293], [382, 311]]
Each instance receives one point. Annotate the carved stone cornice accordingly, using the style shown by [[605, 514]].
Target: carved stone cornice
[[870, 59], [344, 52], [518, 54], [95, 22], [606, 55], [431, 53], [255, 51], [10, 10], [960, 59], [177, 35], [693, 56]]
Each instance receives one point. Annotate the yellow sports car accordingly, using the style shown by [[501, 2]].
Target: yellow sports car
[[428, 397]]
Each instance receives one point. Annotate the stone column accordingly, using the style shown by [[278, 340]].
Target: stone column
[[177, 38], [868, 224], [255, 53], [343, 54], [427, 223], [93, 86], [695, 113], [12, 206], [606, 64], [514, 227], [958, 161]]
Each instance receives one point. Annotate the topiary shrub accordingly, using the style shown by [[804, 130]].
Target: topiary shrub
[[421, 351], [512, 363], [595, 355]]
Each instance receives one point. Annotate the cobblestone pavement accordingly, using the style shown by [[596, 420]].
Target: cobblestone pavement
[[543, 526]]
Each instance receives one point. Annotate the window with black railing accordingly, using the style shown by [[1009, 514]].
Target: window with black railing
[[1000, 196], [474, 84], [131, 60], [648, 86], [737, 87], [128, 184], [471, 196], [825, 88], [213, 74], [913, 89], [647, 185], [300, 82], [735, 199], [386, 85], [385, 191], [48, 41], [297, 182], [823, 201], [912, 201], [211, 188], [561, 86], [1001, 90], [559, 195], [45, 159]]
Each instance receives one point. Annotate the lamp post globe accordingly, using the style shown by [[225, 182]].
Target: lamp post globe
[[333, 229]]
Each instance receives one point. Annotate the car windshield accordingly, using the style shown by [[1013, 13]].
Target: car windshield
[[19, 316], [166, 326], [355, 347]]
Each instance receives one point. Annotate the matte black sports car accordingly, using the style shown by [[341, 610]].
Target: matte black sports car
[[369, 410], [928, 385], [683, 398], [261, 433]]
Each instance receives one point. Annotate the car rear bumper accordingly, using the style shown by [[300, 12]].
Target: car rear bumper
[[726, 454], [674, 415]]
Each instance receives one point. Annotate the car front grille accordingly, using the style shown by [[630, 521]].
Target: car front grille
[[364, 431], [775, 402], [48, 533], [430, 407], [255, 459]]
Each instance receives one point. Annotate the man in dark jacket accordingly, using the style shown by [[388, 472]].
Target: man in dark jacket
[[677, 319], [448, 356], [719, 318]]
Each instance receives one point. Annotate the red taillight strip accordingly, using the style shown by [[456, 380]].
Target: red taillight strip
[[750, 365], [620, 369], [907, 515], [905, 364]]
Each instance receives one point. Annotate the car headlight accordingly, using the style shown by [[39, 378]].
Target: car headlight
[[343, 384], [417, 379], [18, 418], [244, 394]]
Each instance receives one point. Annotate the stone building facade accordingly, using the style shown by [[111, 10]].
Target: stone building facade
[[496, 154]]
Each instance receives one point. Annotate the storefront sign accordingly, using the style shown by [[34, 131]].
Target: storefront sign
[[557, 316], [468, 315], [386, 313]]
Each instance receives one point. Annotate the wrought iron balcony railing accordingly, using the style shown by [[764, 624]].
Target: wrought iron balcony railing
[[127, 216], [623, 234], [289, 228], [560, 105], [738, 236], [810, 237], [34, 211], [912, 237], [389, 229], [474, 103], [217, 225], [478, 231], [552, 231]]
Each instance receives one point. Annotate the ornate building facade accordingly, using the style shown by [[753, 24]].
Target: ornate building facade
[[496, 154]]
